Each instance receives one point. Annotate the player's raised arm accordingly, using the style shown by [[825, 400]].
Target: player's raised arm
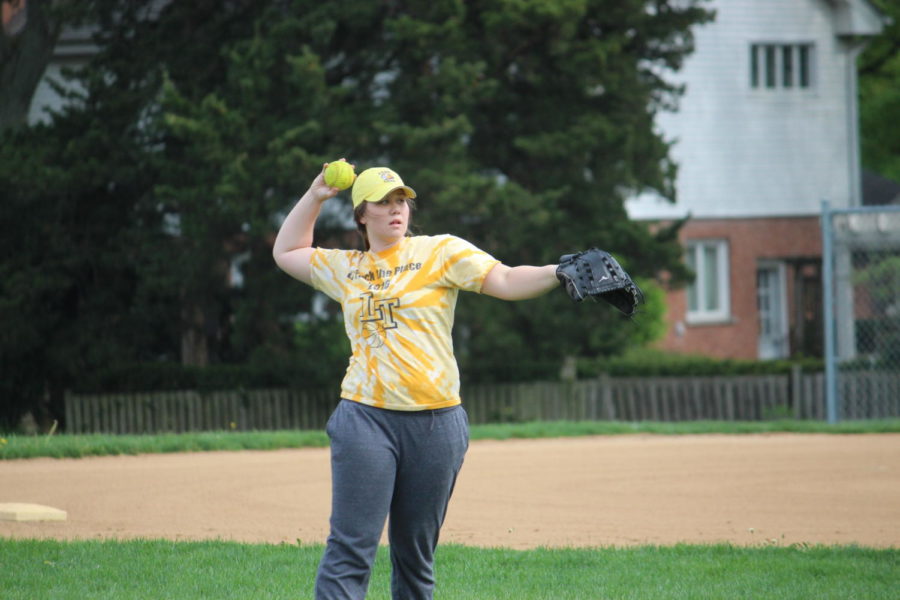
[[293, 245]]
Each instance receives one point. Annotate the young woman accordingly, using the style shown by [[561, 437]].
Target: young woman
[[399, 434]]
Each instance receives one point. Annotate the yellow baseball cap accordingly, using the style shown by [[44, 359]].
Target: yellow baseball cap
[[374, 184]]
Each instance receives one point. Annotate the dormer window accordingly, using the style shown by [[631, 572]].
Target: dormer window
[[781, 66]]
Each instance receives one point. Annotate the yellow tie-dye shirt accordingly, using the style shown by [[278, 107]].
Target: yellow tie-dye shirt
[[398, 312]]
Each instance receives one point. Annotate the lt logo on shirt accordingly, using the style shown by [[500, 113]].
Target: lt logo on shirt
[[377, 317]]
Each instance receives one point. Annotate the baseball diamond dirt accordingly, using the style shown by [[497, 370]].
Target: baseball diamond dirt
[[595, 491]]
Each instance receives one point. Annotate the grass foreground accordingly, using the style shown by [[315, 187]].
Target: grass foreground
[[14, 446], [222, 570]]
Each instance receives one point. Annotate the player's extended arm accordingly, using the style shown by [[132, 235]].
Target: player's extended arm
[[293, 247], [519, 283]]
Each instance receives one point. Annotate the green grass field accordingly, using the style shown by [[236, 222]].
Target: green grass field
[[31, 570], [76, 446]]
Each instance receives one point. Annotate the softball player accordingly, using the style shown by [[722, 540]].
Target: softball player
[[399, 434]]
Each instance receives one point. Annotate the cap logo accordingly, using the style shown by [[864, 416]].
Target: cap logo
[[387, 177]]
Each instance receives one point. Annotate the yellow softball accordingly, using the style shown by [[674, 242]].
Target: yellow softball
[[339, 174]]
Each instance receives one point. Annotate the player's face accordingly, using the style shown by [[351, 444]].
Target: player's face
[[387, 220]]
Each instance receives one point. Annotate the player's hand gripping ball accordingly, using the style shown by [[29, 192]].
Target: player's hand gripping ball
[[339, 174]]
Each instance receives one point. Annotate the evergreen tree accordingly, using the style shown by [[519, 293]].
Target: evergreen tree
[[879, 97], [523, 126]]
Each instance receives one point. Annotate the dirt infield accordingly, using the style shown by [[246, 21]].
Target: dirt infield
[[596, 491]]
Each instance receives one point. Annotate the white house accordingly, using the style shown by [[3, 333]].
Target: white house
[[72, 50], [766, 131]]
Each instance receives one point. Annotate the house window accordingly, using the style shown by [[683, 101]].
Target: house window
[[708, 295], [781, 66]]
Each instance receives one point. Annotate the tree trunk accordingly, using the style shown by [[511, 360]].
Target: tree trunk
[[24, 55], [194, 345]]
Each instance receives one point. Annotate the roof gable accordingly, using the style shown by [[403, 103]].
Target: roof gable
[[855, 18]]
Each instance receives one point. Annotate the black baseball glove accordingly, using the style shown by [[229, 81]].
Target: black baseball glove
[[596, 274]]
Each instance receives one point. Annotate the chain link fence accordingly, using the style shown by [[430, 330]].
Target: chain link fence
[[861, 296]]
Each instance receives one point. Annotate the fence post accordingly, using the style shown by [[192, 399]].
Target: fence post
[[796, 397], [831, 399], [70, 411], [609, 410]]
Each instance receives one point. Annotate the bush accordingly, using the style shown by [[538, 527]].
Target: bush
[[170, 376], [647, 362], [272, 370], [317, 358], [151, 377]]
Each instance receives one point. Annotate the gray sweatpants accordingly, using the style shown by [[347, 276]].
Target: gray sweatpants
[[389, 463]]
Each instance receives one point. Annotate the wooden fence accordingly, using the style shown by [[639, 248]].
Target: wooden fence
[[740, 398]]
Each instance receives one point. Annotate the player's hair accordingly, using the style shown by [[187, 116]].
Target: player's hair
[[360, 210]]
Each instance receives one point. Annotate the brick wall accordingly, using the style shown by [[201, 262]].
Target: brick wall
[[749, 241]]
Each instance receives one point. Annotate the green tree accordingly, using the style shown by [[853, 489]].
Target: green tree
[[83, 283], [879, 96], [70, 285], [522, 125], [879, 332]]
